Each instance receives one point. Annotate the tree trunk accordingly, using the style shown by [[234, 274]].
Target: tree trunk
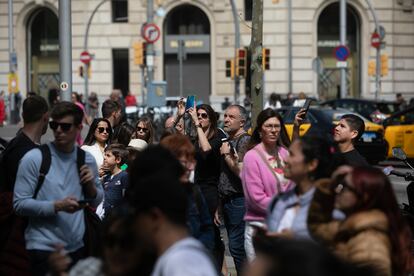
[[256, 69]]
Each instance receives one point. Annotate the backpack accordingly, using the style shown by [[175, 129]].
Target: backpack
[[91, 238]]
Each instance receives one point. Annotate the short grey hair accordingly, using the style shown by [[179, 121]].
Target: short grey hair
[[242, 111]]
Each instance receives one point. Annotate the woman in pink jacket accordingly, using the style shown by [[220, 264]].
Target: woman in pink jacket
[[262, 172]]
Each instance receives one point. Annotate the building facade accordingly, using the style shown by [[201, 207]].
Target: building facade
[[207, 29]]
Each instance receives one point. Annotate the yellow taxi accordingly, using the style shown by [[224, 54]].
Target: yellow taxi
[[399, 131]]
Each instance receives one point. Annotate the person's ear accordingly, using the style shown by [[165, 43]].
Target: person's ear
[[312, 165], [118, 160], [354, 133]]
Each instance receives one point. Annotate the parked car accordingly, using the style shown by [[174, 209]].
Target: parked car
[[322, 121], [399, 131], [375, 111]]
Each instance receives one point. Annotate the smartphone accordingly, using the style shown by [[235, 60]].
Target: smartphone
[[190, 102], [306, 106], [85, 201]]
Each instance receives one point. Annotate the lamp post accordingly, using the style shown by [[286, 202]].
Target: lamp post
[[236, 46], [65, 48], [342, 35]]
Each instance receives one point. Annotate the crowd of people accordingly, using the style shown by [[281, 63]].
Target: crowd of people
[[306, 206]]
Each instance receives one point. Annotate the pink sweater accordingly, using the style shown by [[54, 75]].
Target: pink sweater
[[259, 183]]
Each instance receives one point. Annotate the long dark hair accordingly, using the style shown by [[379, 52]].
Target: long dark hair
[[263, 116], [148, 124], [375, 192], [90, 138], [123, 134], [319, 148], [212, 116]]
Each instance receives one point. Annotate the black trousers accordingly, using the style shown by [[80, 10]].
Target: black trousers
[[210, 193]]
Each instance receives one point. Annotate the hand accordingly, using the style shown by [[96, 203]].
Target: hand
[[103, 170], [193, 113], [342, 170], [180, 108], [58, 261], [225, 148], [217, 220], [68, 205], [86, 175], [299, 117]]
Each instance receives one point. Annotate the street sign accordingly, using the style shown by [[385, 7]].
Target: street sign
[[85, 57], [341, 64], [341, 53], [375, 40], [64, 86], [151, 32]]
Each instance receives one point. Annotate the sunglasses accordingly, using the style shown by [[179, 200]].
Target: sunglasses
[[202, 115], [63, 126], [142, 128], [102, 129]]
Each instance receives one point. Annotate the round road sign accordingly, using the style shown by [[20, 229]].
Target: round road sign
[[375, 40], [85, 57], [151, 32], [64, 86], [341, 53]]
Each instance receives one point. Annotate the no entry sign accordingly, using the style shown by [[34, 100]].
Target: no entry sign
[[341, 53], [375, 40], [85, 57]]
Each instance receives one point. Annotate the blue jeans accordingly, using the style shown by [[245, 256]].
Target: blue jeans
[[233, 213]]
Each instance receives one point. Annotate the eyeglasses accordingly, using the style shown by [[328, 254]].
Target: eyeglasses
[[142, 128], [63, 126], [202, 115], [102, 129]]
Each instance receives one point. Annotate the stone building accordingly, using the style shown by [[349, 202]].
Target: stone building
[[207, 27]]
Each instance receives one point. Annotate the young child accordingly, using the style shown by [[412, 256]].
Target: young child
[[348, 131], [116, 182]]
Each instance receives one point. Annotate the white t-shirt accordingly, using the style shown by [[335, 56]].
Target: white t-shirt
[[96, 152], [186, 257]]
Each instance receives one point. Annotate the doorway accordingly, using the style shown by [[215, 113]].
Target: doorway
[[328, 38]]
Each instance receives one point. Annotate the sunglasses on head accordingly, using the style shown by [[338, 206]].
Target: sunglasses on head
[[142, 128], [342, 185], [102, 129], [202, 115], [63, 126]]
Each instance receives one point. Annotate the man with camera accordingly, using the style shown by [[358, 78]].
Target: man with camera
[[231, 207]]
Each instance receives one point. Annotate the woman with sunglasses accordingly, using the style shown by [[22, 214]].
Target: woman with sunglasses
[[144, 130], [309, 161], [373, 234], [97, 138], [262, 173], [208, 157]]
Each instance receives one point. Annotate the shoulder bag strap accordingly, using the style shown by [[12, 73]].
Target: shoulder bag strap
[[279, 189], [80, 160], [44, 168]]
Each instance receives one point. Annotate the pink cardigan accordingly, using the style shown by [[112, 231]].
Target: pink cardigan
[[259, 184]]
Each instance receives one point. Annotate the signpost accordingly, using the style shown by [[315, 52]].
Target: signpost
[[341, 53], [151, 32], [85, 57], [375, 40]]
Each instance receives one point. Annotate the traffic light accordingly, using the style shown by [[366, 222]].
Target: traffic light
[[384, 65], [139, 53], [241, 62], [371, 68], [80, 71], [266, 58], [230, 68]]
